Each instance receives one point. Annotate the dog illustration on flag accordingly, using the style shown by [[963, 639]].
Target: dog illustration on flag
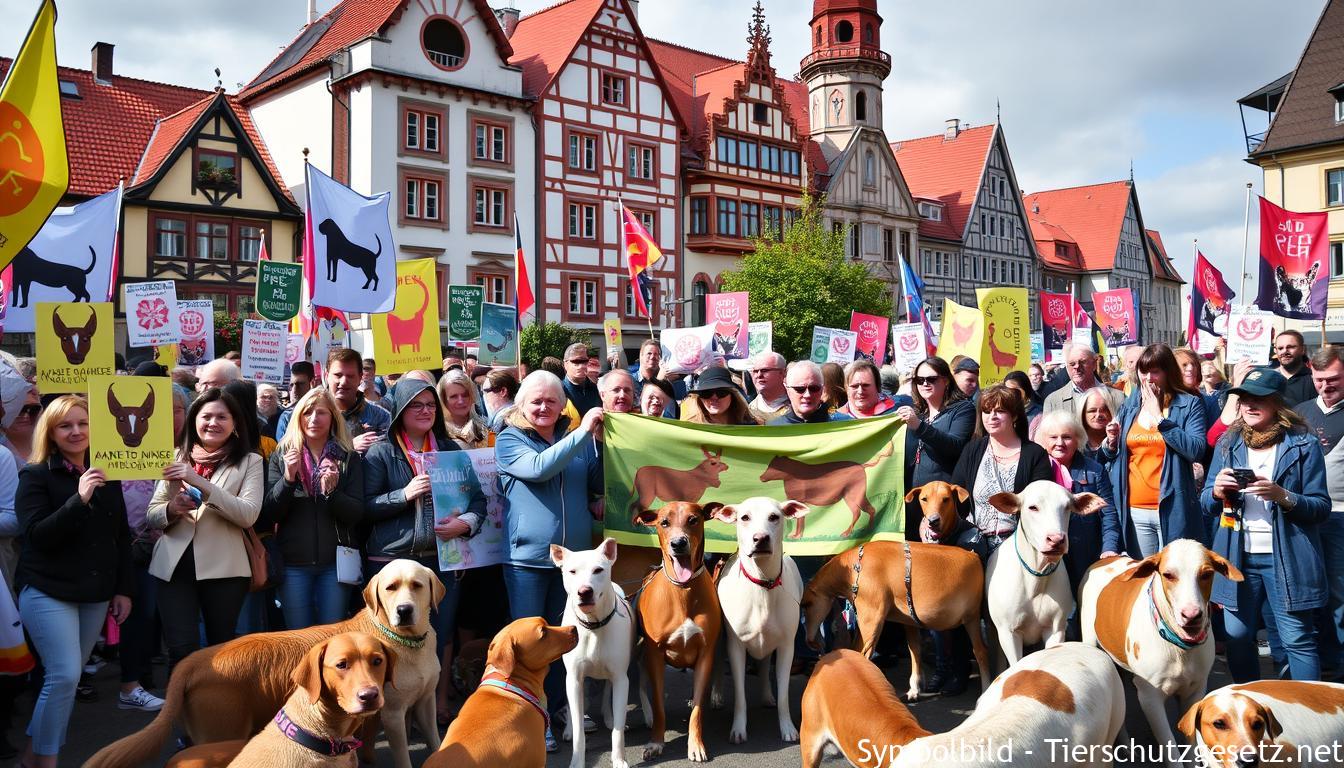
[[30, 268], [339, 248], [1292, 293]]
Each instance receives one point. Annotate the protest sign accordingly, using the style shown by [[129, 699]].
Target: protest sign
[[464, 312], [1294, 262], [196, 317], [278, 289], [909, 346], [727, 312], [499, 335], [686, 350], [131, 426], [454, 477], [151, 313], [351, 244], [963, 332], [611, 331], [407, 338], [1007, 347], [75, 341], [1038, 346], [833, 345], [1116, 317], [872, 336], [1250, 335], [264, 343], [760, 337]]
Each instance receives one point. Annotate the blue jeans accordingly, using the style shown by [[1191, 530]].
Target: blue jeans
[[1147, 531], [443, 617], [1331, 623], [1297, 629], [63, 635], [311, 595], [540, 592]]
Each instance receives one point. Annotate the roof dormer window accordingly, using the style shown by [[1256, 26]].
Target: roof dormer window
[[1339, 107], [444, 43], [70, 89], [930, 211]]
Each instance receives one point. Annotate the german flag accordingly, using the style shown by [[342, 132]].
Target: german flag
[[522, 290]]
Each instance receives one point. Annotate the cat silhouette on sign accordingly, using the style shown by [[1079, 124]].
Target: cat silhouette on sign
[[132, 421], [407, 331]]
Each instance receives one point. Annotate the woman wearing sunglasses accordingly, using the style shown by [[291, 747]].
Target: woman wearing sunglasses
[[938, 427], [716, 400]]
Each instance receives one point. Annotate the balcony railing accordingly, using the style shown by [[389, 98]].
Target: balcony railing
[[847, 52], [444, 59]]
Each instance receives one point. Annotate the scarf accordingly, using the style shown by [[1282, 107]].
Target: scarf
[[1256, 439], [329, 460], [472, 433], [205, 461]]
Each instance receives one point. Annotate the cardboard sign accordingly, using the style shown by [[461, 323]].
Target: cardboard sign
[[151, 313], [687, 350], [74, 341], [166, 355], [264, 344], [833, 345], [278, 295], [872, 336], [1057, 317], [1007, 347], [499, 335], [611, 331], [1250, 336], [760, 337], [963, 332], [464, 312], [407, 338], [1116, 317], [727, 312], [909, 346], [454, 476], [131, 426], [197, 320], [1037, 346]]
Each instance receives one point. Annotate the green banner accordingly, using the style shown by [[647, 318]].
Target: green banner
[[278, 290], [464, 312], [850, 473]]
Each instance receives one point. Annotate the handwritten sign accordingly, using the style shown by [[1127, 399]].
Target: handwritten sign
[[74, 342], [909, 346], [454, 476], [278, 289], [151, 313], [1250, 336], [197, 320], [131, 426], [464, 312], [264, 347]]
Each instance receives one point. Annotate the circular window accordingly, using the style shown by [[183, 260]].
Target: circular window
[[444, 43], [844, 32]]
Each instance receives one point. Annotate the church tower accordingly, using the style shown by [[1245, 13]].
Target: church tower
[[844, 71]]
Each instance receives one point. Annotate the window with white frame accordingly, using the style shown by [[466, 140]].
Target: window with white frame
[[491, 142], [582, 151], [583, 221], [640, 162], [496, 287], [491, 207], [1334, 186], [422, 199], [582, 297], [421, 130], [931, 211]]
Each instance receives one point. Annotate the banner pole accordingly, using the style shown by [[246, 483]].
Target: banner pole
[[1192, 330], [1245, 242]]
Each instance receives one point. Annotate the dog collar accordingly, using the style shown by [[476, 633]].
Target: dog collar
[[1165, 630], [695, 575], [417, 641], [498, 680], [1049, 569], [598, 624], [761, 582], [306, 738]]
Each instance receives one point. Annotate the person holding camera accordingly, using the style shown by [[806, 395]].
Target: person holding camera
[[1266, 490]]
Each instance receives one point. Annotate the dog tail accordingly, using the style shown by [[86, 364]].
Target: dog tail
[[379, 240], [145, 745], [885, 452], [93, 260]]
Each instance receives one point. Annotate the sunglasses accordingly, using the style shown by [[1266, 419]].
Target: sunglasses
[[578, 361], [31, 411], [810, 389], [926, 381], [755, 371], [715, 393]]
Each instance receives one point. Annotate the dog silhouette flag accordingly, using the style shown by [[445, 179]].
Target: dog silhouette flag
[[74, 341], [354, 255], [70, 259], [407, 338], [1294, 262], [131, 426]]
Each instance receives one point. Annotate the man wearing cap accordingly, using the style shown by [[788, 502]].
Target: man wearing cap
[[966, 373], [1081, 363], [807, 397], [1325, 418]]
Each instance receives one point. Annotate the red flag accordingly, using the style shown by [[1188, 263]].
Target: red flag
[[264, 256], [641, 254], [1294, 262], [1210, 297], [522, 284]]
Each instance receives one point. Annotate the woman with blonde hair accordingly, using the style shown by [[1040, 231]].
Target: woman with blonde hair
[[315, 501], [715, 399], [457, 393]]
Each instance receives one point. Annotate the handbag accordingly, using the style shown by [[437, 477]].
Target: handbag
[[263, 555]]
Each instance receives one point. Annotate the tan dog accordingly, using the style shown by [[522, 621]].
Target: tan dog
[[938, 501], [233, 690], [679, 618], [338, 685], [843, 683], [1270, 722], [503, 724]]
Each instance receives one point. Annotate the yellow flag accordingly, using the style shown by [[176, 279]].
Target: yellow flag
[[34, 170], [407, 338], [131, 426], [74, 342], [962, 332], [1007, 333]]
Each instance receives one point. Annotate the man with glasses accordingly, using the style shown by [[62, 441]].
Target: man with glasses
[[807, 396], [580, 391], [767, 375], [1081, 364]]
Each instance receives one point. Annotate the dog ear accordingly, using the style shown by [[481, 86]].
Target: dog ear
[[913, 493], [711, 509], [1146, 567], [724, 514], [1221, 565], [58, 324], [558, 554], [308, 675], [148, 405], [645, 517], [962, 494], [1272, 727], [1189, 724], [1087, 504], [794, 509], [113, 404], [608, 548], [437, 590], [1005, 502], [389, 661], [501, 653], [371, 600]]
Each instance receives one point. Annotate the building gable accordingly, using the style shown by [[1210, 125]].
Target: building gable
[[1307, 109], [446, 40]]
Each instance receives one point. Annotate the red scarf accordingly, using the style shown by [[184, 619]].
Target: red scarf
[[205, 461]]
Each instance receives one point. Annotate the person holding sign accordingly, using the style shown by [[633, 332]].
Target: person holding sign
[[75, 559], [315, 500], [206, 498]]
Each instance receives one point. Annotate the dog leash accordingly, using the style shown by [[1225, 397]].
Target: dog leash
[[858, 568], [306, 738], [909, 599], [762, 583], [504, 684], [1164, 630], [417, 641], [1049, 569]]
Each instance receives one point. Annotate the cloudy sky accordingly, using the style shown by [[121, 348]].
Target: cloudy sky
[[1085, 87]]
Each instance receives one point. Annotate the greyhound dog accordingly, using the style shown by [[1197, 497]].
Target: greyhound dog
[[339, 248]]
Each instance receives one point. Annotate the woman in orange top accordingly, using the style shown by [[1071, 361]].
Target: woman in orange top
[[1150, 451]]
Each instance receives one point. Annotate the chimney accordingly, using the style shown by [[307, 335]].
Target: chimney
[[508, 19], [953, 129], [102, 62], [312, 11]]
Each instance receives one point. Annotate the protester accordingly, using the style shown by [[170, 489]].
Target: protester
[[655, 398], [314, 501], [834, 377], [1081, 364], [578, 388], [617, 391], [1192, 376], [863, 383], [938, 427], [367, 422], [215, 374], [500, 387], [548, 476], [807, 396], [1269, 528], [767, 375], [268, 408], [1214, 382], [1290, 351], [1325, 418], [715, 399], [462, 420], [1151, 449], [648, 369], [1127, 378], [371, 382], [1096, 409], [891, 380], [18, 435], [301, 375], [1018, 382], [967, 374], [183, 377], [1062, 436], [75, 560], [1036, 375], [469, 361]]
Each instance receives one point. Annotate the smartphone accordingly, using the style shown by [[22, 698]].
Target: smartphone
[[193, 492], [1244, 476]]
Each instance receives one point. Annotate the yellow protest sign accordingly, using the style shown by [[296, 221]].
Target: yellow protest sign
[[166, 355], [407, 338], [962, 332], [131, 426], [74, 342], [1007, 345], [611, 329]]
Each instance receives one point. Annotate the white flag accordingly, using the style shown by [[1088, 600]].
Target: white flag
[[355, 267]]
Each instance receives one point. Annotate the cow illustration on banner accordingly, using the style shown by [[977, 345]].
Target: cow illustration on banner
[[871, 343], [1294, 262], [353, 251], [407, 338], [75, 341], [727, 312], [962, 332], [1007, 343], [131, 426], [1116, 317]]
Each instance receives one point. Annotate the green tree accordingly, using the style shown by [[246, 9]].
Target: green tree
[[804, 280], [548, 340]]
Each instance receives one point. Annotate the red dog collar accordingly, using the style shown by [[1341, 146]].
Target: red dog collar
[[502, 682], [762, 583]]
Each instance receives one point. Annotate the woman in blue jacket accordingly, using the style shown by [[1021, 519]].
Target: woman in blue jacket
[[1151, 459], [1267, 527]]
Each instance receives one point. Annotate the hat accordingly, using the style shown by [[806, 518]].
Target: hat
[[967, 364], [714, 378], [150, 368], [1261, 382], [14, 391]]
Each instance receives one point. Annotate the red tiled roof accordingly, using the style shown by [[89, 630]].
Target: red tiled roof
[[1093, 215], [543, 41], [108, 126], [1306, 114], [1161, 262], [349, 22], [1047, 236], [946, 170]]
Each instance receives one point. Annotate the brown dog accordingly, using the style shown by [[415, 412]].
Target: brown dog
[[667, 484], [845, 683], [232, 690], [938, 508], [821, 485], [679, 617], [503, 724], [338, 685]]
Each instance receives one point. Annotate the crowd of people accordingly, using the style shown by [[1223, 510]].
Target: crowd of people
[[330, 477]]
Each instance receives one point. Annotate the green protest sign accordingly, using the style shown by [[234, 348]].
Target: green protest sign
[[464, 312], [278, 290], [847, 472]]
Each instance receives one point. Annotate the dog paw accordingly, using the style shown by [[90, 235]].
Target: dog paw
[[912, 694], [697, 753], [717, 700], [787, 733], [652, 750], [738, 735]]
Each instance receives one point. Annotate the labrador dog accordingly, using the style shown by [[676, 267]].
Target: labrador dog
[[233, 690]]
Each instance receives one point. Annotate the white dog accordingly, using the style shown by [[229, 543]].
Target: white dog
[[760, 592], [606, 625]]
